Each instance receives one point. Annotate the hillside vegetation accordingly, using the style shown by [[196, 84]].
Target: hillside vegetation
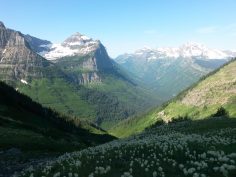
[[28, 126], [104, 103], [190, 148], [202, 100]]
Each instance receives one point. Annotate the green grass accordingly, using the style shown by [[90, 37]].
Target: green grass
[[135, 124], [189, 148], [199, 101], [27, 125], [105, 103], [59, 95]]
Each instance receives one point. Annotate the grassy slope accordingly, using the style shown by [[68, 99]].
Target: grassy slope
[[27, 125], [134, 124], [105, 103], [112, 100], [198, 102], [189, 148], [59, 95], [203, 100]]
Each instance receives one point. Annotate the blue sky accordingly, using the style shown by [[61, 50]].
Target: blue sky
[[126, 25]]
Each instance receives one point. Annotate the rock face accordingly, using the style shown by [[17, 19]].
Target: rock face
[[17, 60], [79, 57], [82, 58]]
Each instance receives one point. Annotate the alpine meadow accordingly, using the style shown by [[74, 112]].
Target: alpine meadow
[[118, 88]]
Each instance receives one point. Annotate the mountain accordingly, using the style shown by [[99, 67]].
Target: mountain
[[30, 132], [213, 95], [88, 85], [87, 63], [82, 58], [18, 62], [159, 67], [76, 44]]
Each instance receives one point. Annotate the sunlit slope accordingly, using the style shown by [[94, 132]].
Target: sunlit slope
[[205, 97], [201, 100]]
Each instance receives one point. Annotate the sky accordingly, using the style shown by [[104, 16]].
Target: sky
[[124, 26]]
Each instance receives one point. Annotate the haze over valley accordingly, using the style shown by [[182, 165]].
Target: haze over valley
[[94, 89]]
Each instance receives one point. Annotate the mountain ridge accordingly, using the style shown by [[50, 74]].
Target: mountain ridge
[[188, 50]]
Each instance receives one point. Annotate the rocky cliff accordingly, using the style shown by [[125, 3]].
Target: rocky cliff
[[82, 58], [18, 62]]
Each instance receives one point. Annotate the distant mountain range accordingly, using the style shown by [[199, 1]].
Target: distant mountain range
[[167, 71], [78, 78], [191, 50]]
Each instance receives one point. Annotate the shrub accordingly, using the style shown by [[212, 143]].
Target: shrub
[[221, 112]]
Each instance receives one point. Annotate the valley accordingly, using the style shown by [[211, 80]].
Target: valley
[[167, 141], [118, 88], [199, 101], [82, 85]]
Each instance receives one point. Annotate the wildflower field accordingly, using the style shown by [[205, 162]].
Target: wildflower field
[[193, 149]]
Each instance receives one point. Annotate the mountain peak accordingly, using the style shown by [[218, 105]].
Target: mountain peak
[[2, 25], [76, 44], [198, 50], [192, 49], [77, 39]]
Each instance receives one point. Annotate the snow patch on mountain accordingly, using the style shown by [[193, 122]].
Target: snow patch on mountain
[[24, 81], [77, 44], [191, 50]]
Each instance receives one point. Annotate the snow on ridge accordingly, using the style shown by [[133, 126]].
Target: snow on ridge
[[85, 37], [57, 51], [24, 81], [76, 44], [188, 50]]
